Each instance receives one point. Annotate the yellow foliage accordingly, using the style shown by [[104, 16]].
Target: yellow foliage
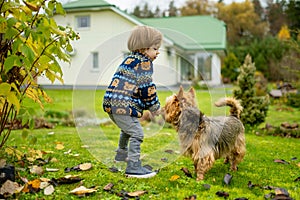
[[284, 33]]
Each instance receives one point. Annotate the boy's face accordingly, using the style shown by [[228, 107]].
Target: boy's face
[[152, 52]]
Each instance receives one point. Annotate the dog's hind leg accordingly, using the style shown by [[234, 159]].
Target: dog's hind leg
[[237, 155]]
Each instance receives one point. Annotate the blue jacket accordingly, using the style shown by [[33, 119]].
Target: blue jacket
[[131, 90]]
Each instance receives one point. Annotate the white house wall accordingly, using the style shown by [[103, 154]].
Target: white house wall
[[108, 36]]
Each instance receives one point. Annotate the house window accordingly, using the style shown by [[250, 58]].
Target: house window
[[83, 21], [204, 65], [187, 70], [95, 60]]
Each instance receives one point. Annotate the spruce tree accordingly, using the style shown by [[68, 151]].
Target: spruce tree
[[255, 107]]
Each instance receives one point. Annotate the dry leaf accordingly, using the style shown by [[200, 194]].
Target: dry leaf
[[68, 152], [32, 186], [108, 187], [136, 193], [52, 169], [227, 179], [2, 163], [8, 188], [186, 172], [36, 170], [43, 185], [45, 179], [80, 191], [174, 177], [49, 190], [222, 194], [59, 146], [85, 166], [66, 179]]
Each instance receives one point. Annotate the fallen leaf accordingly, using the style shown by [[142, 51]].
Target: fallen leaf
[[82, 191], [206, 186], [281, 191], [187, 172], [43, 185], [85, 166], [113, 169], [222, 194], [174, 177], [108, 187], [49, 190], [68, 152], [2, 163], [8, 188], [59, 146], [298, 164], [32, 186], [36, 170], [45, 179], [193, 197], [66, 180], [52, 169], [136, 193], [227, 179], [297, 179], [281, 161], [169, 151]]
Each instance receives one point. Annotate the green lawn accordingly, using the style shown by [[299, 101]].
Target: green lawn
[[97, 144]]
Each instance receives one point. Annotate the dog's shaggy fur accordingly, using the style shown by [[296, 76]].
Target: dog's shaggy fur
[[206, 139]]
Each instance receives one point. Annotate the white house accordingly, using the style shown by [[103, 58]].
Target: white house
[[191, 48]]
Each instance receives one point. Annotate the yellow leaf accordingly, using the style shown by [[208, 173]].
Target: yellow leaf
[[85, 166], [174, 177], [59, 146]]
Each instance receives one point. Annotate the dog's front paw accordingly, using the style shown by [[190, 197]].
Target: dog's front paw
[[200, 177]]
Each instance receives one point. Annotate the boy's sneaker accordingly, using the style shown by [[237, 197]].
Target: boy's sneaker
[[121, 155], [135, 170]]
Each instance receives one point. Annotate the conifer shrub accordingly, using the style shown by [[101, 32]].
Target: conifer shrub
[[255, 107]]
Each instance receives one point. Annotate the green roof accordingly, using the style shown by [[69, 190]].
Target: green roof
[[82, 4], [192, 32], [188, 32]]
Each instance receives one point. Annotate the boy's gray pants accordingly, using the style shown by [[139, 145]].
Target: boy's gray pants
[[132, 132]]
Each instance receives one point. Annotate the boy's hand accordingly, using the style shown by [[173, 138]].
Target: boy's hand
[[156, 113]]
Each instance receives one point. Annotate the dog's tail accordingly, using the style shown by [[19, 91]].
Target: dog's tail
[[235, 105]]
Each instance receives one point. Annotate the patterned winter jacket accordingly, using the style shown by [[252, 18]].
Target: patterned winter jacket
[[131, 90]]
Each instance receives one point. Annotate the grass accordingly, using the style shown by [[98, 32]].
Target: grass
[[170, 183]]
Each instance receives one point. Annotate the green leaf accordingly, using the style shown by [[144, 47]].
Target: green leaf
[[3, 25], [33, 140], [4, 89], [27, 52], [12, 61], [25, 133], [31, 123], [13, 99], [59, 8]]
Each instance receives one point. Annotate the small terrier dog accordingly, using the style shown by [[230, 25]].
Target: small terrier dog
[[206, 139]]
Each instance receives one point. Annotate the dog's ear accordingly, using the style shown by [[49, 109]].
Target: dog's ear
[[192, 92], [180, 93]]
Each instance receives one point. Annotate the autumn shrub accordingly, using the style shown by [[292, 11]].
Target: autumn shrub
[[32, 44]]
